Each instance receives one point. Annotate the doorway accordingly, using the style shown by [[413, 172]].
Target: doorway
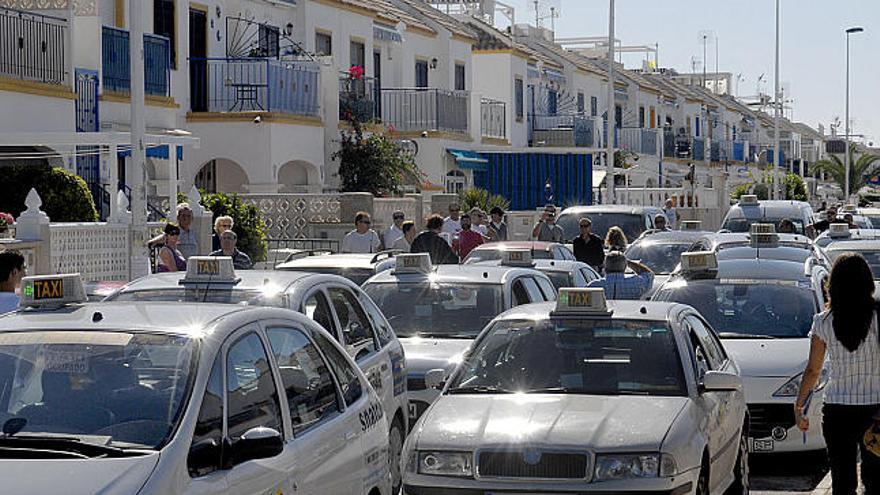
[[198, 65]]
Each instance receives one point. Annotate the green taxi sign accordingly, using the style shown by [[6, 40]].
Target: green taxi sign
[[52, 290]]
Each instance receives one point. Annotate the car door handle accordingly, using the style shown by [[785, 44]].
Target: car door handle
[[351, 435]]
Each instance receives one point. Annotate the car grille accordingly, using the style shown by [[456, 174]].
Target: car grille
[[765, 417], [546, 465], [415, 384]]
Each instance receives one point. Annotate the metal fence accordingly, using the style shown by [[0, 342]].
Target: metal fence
[[260, 84], [425, 109], [493, 119], [32, 46], [116, 69], [358, 99]]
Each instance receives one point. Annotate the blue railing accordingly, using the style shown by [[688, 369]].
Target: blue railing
[[739, 154], [32, 46], [259, 85], [116, 71], [649, 142], [698, 149]]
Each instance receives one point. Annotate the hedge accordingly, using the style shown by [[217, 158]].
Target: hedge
[[65, 195]]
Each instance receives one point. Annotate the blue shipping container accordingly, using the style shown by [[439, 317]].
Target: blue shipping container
[[522, 177]]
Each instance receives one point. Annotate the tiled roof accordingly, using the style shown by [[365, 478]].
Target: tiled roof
[[387, 11], [491, 38], [448, 22]]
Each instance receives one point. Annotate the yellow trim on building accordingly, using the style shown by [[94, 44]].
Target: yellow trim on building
[[351, 8], [199, 6], [267, 117], [465, 39], [150, 100], [119, 13], [452, 136], [421, 31], [495, 51], [36, 88], [495, 141]]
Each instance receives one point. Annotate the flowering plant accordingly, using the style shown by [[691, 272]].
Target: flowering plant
[[356, 72], [6, 220]]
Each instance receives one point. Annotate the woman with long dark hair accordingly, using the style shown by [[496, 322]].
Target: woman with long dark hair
[[847, 333]]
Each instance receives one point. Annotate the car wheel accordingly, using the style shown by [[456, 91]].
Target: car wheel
[[703, 481], [395, 445], [740, 484]]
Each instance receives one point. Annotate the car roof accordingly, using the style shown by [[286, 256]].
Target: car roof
[[855, 234], [632, 209], [854, 245], [761, 269], [340, 260], [620, 309], [672, 237], [559, 265], [505, 245], [769, 209], [472, 274], [737, 238], [250, 280]]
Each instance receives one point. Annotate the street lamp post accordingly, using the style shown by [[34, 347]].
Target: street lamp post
[[609, 133], [849, 31], [776, 155]]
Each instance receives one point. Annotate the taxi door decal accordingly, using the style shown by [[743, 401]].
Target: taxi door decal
[[398, 372]]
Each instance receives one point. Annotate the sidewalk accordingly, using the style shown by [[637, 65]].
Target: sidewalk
[[824, 486]]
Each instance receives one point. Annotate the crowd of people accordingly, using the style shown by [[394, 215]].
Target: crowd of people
[[179, 241]]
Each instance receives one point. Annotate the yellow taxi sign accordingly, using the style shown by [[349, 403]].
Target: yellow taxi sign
[[581, 300], [516, 257], [412, 263], [838, 230], [699, 261], [748, 200], [691, 225], [762, 228], [52, 290], [764, 239], [201, 269]]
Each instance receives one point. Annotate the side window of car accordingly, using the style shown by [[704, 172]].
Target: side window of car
[[251, 393], [317, 308], [308, 384], [383, 329], [698, 354], [207, 439], [547, 289], [565, 254], [589, 275], [356, 329], [714, 353], [345, 373], [520, 294]]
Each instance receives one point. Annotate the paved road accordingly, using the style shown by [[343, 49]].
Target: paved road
[[789, 473]]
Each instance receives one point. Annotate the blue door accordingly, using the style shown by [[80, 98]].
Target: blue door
[[88, 158]]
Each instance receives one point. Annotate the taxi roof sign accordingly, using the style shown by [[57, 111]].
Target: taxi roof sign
[[699, 261], [762, 228], [582, 300], [209, 269], [849, 208], [836, 230], [52, 290], [748, 199], [517, 257], [691, 225], [413, 263], [764, 240]]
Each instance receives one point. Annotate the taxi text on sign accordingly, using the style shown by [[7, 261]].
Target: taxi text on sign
[[51, 288]]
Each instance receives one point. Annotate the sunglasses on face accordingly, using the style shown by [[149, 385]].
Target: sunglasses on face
[[398, 218], [174, 233], [366, 222]]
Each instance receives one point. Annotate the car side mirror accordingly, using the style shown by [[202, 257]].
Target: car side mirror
[[257, 443], [204, 455], [719, 381], [435, 378]]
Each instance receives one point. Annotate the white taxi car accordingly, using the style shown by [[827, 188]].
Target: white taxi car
[[763, 311], [583, 397], [170, 398], [353, 266], [438, 310], [334, 302]]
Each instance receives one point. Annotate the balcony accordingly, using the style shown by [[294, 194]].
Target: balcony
[[256, 85], [683, 146], [32, 47], [116, 70], [358, 99], [425, 109], [638, 140], [493, 119], [565, 131]]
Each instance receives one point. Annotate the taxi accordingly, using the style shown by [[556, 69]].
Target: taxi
[[334, 302], [863, 241], [841, 232], [356, 267], [539, 250], [437, 311], [661, 250], [755, 244], [158, 398], [750, 210], [583, 396], [562, 273], [763, 311]]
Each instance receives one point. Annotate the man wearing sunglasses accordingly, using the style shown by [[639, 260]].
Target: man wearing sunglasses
[[362, 239], [395, 232]]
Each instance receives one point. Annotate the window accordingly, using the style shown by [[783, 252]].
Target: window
[[618, 116], [552, 102], [547, 289], [594, 106], [641, 116], [589, 274], [268, 40], [317, 308], [308, 384], [380, 324], [531, 286], [581, 103], [518, 98], [209, 427], [163, 24], [356, 329], [421, 73], [697, 126], [520, 294], [459, 77], [323, 44], [345, 373], [252, 396], [357, 54], [652, 118], [714, 351]]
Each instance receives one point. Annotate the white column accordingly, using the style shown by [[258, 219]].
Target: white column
[[776, 156], [609, 135], [139, 255]]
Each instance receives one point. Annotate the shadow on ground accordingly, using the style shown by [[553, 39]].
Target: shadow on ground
[[787, 472]]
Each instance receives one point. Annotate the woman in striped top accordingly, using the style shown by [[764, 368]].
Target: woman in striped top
[[847, 333]]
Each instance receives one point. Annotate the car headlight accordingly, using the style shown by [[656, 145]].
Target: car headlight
[[793, 385], [446, 464], [626, 466]]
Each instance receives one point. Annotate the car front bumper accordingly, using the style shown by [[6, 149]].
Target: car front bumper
[[772, 427]]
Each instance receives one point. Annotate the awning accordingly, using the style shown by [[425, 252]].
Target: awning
[[599, 177], [469, 160], [159, 152], [384, 33]]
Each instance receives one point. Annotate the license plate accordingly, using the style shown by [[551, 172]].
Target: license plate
[[762, 445], [416, 409]]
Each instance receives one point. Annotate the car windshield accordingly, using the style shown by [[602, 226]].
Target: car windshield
[[662, 258], [356, 275], [601, 357], [743, 224], [768, 308], [785, 253], [271, 296], [126, 390], [496, 254], [871, 256], [437, 309], [633, 224]]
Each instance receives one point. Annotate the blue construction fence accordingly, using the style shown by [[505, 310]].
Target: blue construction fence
[[522, 178]]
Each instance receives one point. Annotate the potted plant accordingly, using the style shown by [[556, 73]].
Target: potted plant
[[5, 221]]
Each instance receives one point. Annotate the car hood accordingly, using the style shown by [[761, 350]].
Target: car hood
[[769, 358], [659, 280], [77, 476], [602, 423], [424, 354]]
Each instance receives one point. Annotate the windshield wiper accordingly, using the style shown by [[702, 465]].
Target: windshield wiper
[[479, 389], [557, 390], [68, 445], [737, 335]]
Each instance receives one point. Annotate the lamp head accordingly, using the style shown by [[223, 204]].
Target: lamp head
[[854, 30]]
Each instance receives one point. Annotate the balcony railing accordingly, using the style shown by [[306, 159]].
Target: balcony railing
[[116, 70], [639, 140], [259, 85], [358, 99], [683, 146], [698, 149], [493, 119], [425, 109], [571, 130], [32, 46]]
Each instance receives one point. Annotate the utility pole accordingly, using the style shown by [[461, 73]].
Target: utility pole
[[777, 158], [705, 62], [609, 134], [846, 121], [139, 255], [715, 85]]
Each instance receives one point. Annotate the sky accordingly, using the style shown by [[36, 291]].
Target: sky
[[812, 46]]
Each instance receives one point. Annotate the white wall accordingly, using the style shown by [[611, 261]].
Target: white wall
[[493, 78], [32, 113]]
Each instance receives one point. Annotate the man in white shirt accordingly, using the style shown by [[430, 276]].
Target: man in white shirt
[[11, 272], [394, 232], [188, 245], [409, 233], [671, 216], [452, 223], [362, 239], [478, 221]]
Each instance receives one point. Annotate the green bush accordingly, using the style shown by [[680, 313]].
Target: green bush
[[740, 190], [795, 189], [65, 195], [374, 163], [248, 224], [481, 198]]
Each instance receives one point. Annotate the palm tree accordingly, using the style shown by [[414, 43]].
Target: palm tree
[[860, 171]]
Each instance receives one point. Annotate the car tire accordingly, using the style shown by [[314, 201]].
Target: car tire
[[741, 481], [395, 448]]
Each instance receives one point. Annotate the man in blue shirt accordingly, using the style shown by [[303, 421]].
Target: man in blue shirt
[[620, 285], [12, 270]]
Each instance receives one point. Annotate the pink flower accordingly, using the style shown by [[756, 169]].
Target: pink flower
[[356, 72], [6, 218]]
